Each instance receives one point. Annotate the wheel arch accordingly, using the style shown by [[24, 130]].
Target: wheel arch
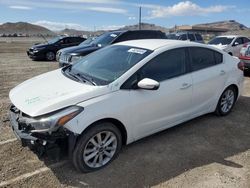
[[236, 89], [114, 121]]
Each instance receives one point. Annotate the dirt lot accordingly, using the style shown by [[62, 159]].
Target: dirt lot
[[209, 151]]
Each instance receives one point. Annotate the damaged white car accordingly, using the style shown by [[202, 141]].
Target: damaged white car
[[122, 93]]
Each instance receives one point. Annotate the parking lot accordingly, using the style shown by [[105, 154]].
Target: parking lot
[[209, 151]]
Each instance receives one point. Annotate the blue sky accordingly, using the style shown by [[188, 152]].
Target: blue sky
[[112, 14]]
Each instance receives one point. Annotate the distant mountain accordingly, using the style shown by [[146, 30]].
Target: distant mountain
[[72, 32], [231, 25], [24, 29], [27, 29], [145, 26]]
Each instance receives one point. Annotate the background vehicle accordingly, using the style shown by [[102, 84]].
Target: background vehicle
[[84, 43], [71, 55], [195, 37], [48, 50], [229, 43], [245, 58], [166, 82]]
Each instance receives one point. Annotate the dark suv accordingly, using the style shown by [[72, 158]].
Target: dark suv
[[47, 51], [71, 55], [195, 37]]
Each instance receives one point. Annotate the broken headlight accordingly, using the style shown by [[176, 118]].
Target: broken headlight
[[53, 120]]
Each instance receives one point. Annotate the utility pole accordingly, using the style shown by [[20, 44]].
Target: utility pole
[[139, 18]]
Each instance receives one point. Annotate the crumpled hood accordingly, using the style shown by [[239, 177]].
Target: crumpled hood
[[52, 91]]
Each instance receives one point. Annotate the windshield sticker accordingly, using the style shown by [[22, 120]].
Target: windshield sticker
[[113, 35], [137, 51]]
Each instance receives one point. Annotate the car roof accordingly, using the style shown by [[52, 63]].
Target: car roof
[[229, 36], [152, 44]]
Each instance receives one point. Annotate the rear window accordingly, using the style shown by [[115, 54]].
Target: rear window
[[198, 37], [191, 37], [218, 57], [183, 37], [202, 58]]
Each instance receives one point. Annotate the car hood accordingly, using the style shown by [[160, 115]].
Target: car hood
[[39, 46], [219, 46], [79, 49], [52, 91]]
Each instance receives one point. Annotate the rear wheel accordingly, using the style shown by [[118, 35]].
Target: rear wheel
[[227, 101], [50, 56], [97, 147]]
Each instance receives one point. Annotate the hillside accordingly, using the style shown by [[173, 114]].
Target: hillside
[[231, 25], [145, 26], [24, 29]]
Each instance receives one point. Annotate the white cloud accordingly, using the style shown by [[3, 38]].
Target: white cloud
[[131, 17], [107, 9], [91, 1], [106, 6], [20, 7], [57, 26], [185, 8]]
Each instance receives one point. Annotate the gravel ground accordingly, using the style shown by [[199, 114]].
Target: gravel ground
[[209, 151]]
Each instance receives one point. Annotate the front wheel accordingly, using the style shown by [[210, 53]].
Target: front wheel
[[226, 101], [50, 56], [97, 147]]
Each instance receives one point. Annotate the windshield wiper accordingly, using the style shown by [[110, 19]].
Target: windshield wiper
[[90, 80], [75, 76]]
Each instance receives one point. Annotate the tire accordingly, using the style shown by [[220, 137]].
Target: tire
[[89, 155], [50, 56], [226, 101]]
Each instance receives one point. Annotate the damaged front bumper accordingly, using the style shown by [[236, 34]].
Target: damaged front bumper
[[28, 135]]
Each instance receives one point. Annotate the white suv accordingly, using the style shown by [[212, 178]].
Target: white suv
[[122, 93], [229, 43]]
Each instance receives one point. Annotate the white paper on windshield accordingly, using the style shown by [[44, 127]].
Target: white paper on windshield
[[113, 35], [137, 51]]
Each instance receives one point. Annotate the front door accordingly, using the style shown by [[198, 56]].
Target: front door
[[154, 110]]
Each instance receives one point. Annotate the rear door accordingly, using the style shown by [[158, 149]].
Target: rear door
[[209, 76]]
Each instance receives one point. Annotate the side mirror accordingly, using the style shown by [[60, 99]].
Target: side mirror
[[236, 44], [148, 84]]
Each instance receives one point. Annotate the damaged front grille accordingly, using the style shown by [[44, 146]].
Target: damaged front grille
[[21, 119]]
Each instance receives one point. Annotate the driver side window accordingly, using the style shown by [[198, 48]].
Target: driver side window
[[169, 64], [238, 41]]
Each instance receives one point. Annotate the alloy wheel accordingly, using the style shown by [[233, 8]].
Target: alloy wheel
[[100, 149], [227, 101]]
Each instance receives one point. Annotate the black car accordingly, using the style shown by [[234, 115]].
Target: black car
[[70, 55], [195, 37], [47, 51]]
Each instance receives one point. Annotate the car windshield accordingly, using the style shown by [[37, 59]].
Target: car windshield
[[105, 39], [172, 36], [87, 41], [221, 40], [54, 40], [106, 65]]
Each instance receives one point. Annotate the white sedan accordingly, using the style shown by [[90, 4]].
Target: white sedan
[[122, 93], [229, 43]]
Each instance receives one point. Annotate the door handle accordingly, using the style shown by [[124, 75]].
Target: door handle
[[222, 72], [185, 85]]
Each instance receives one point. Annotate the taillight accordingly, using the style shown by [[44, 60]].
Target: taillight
[[241, 65]]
